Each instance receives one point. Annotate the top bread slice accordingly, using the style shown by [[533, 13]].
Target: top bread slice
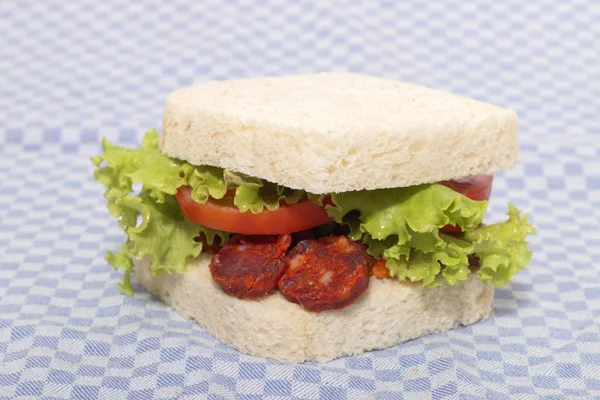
[[337, 132]]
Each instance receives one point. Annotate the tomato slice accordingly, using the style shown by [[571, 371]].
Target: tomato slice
[[476, 187], [225, 216]]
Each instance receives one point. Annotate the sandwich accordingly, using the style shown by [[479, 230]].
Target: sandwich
[[311, 217]]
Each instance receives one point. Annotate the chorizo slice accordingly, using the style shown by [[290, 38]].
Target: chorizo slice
[[379, 270], [327, 273], [248, 267]]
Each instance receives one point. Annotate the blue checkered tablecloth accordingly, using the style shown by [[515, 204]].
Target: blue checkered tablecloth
[[71, 72]]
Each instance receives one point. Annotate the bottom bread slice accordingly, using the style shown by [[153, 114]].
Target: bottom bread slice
[[388, 313]]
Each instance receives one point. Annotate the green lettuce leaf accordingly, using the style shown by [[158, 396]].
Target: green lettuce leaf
[[123, 167], [255, 195], [251, 194], [502, 248], [405, 211], [151, 219], [206, 182], [403, 225]]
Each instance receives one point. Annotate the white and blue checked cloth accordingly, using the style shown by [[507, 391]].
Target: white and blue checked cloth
[[71, 72]]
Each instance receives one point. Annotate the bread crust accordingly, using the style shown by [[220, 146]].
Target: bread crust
[[388, 313], [338, 132]]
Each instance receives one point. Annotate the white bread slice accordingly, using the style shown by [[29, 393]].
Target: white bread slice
[[388, 313], [337, 132]]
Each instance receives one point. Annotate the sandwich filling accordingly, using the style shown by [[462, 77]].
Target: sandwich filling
[[318, 250]]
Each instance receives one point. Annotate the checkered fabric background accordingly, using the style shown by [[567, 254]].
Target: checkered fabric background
[[71, 73]]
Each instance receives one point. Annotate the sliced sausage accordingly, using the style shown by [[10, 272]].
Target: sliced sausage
[[248, 267], [379, 270], [327, 273]]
